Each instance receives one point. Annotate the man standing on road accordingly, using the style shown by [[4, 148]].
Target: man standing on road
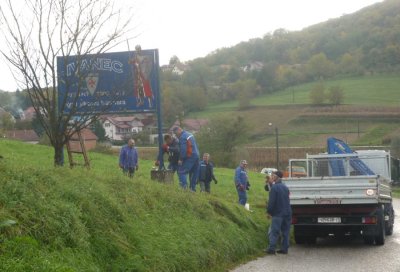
[[242, 182], [279, 209], [128, 158], [188, 158]]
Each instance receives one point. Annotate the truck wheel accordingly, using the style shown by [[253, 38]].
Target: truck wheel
[[302, 238], [389, 224], [299, 237], [380, 237], [311, 240]]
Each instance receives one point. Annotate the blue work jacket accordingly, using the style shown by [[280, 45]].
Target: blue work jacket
[[241, 178], [188, 146], [279, 203], [128, 157]]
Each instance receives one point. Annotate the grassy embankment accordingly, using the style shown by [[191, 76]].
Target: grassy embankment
[[58, 219]]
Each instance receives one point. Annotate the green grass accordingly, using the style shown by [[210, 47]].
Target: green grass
[[301, 124], [100, 220], [381, 90], [373, 91]]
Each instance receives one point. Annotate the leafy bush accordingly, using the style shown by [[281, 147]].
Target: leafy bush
[[335, 95], [317, 94]]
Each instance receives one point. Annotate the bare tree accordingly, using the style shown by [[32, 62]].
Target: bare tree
[[41, 31]]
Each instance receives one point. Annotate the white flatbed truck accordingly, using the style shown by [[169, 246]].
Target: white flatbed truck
[[342, 194]]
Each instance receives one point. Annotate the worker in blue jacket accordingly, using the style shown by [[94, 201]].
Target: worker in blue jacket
[[128, 158], [242, 182], [279, 209], [188, 158]]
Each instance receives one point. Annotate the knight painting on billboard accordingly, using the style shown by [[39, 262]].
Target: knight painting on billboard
[[122, 82]]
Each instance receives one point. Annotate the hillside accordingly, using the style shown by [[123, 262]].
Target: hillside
[[357, 45], [369, 114], [58, 219]]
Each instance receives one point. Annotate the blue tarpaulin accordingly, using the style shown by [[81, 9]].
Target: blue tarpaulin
[[336, 146]]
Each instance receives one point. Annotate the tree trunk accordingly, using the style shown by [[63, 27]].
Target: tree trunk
[[58, 155]]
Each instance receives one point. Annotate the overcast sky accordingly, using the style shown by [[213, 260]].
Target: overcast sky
[[190, 28]]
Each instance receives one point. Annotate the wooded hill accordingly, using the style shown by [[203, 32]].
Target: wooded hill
[[359, 44]]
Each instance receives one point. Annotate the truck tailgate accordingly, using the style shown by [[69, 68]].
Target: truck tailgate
[[338, 190]]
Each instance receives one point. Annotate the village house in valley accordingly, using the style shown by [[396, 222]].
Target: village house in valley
[[191, 125], [119, 128]]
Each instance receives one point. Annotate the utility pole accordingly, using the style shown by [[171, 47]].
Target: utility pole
[[277, 147], [276, 144]]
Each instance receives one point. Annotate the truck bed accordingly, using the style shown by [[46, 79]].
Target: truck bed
[[338, 190]]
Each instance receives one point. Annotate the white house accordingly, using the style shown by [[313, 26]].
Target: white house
[[121, 127], [253, 66]]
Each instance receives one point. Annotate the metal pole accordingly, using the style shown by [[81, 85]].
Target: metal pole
[[277, 147], [159, 114]]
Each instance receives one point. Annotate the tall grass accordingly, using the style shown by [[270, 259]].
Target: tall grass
[[100, 220]]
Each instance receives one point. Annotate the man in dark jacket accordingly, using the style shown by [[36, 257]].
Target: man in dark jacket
[[171, 146], [280, 211], [206, 173]]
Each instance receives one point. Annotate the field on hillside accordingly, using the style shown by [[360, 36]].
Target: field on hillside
[[380, 90], [61, 219], [370, 114]]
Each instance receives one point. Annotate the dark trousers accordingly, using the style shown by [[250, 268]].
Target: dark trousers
[[129, 171], [205, 186], [279, 224]]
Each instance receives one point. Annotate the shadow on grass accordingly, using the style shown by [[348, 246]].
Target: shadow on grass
[[227, 212]]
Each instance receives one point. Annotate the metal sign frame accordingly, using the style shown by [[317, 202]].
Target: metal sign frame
[[111, 83], [121, 82]]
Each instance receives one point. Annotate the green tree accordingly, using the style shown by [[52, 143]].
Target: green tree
[[198, 101], [335, 95], [52, 29], [267, 76], [245, 90], [349, 65], [174, 60], [317, 94], [5, 99], [320, 67], [99, 131], [7, 121], [222, 137], [244, 101], [233, 74]]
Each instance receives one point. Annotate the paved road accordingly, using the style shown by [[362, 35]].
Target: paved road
[[332, 255]]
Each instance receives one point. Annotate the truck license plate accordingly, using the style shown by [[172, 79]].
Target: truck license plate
[[329, 220], [329, 201]]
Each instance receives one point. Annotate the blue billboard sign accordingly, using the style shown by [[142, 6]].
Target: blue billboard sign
[[122, 82]]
